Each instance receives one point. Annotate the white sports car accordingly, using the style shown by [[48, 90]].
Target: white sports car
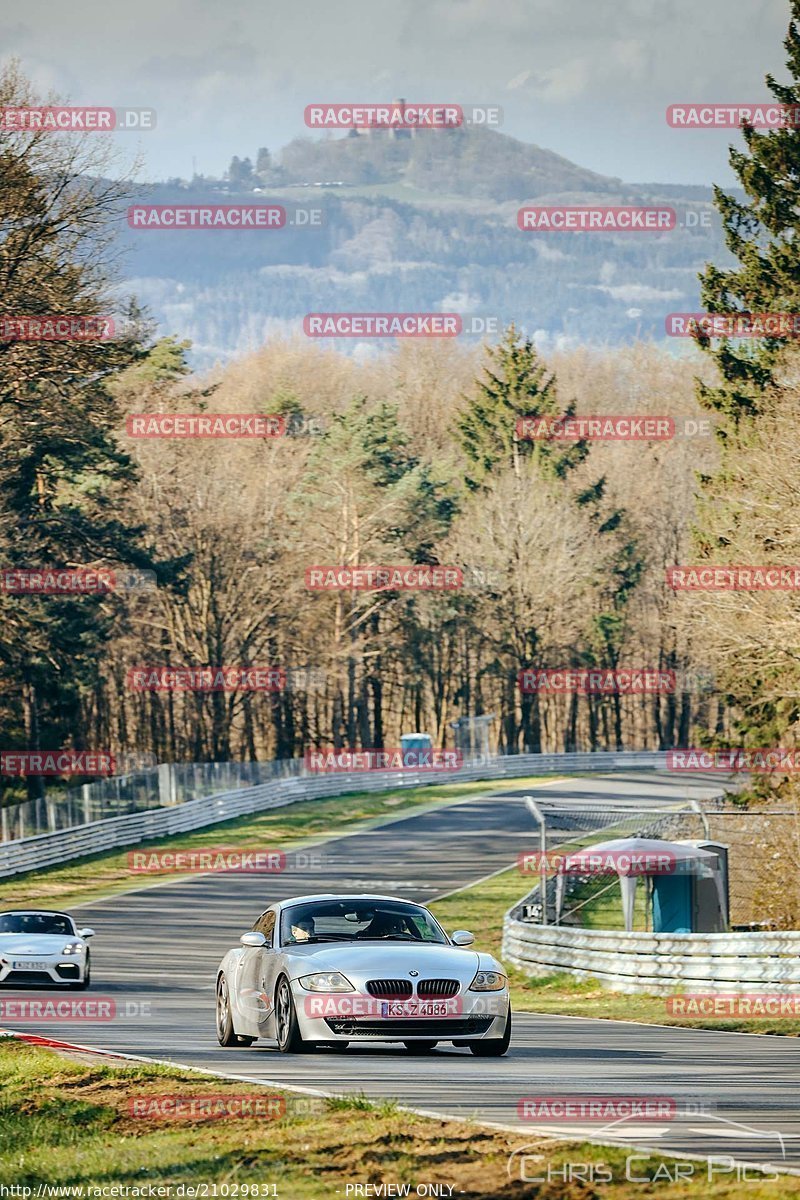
[[331, 969], [37, 946]]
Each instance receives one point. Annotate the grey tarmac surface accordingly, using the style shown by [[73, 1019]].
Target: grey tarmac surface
[[157, 948]]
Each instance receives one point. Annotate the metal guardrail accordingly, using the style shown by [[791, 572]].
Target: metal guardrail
[[657, 962], [50, 849]]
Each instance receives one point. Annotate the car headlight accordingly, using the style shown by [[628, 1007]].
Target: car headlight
[[72, 948], [326, 981], [488, 981]]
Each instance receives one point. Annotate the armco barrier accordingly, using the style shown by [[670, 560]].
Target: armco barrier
[[657, 962], [49, 849]]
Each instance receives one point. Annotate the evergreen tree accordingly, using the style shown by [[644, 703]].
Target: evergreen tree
[[62, 472], [515, 384], [763, 233]]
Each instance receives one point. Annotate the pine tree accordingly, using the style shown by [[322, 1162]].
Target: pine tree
[[763, 233], [515, 384]]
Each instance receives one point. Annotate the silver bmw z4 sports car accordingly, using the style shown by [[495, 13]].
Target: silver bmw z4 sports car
[[328, 970]]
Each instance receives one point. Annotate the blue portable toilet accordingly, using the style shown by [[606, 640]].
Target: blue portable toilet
[[672, 903], [414, 747], [695, 899]]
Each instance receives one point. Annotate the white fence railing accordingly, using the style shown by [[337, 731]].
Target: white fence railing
[[657, 962], [49, 849]]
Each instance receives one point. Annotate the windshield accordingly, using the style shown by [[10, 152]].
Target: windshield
[[35, 923], [358, 920]]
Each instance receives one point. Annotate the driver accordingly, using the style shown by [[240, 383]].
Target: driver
[[384, 925], [303, 929]]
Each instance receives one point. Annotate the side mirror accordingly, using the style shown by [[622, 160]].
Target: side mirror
[[253, 939], [85, 933], [462, 937]]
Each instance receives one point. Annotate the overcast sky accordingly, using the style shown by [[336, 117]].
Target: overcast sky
[[590, 79]]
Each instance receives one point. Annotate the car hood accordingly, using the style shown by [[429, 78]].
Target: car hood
[[386, 959], [34, 943]]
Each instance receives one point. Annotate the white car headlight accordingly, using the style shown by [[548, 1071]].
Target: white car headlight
[[488, 981], [326, 981], [72, 948]]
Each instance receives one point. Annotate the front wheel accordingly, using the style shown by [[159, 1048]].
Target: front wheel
[[225, 1031], [290, 1039], [493, 1047]]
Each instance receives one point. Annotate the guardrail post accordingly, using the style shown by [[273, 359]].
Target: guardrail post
[[539, 815], [166, 784]]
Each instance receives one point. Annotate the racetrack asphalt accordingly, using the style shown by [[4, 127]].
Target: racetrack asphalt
[[156, 950]]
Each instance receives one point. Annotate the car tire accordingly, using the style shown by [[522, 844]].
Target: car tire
[[493, 1047], [84, 983], [420, 1047], [287, 1028], [226, 1035]]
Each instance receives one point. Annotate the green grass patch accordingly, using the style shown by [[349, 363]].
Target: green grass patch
[[69, 1123]]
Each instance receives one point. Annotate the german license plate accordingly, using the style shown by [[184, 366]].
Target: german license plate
[[414, 1008], [27, 964]]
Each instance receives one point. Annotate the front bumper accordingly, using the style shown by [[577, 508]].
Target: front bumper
[[44, 970], [471, 1016]]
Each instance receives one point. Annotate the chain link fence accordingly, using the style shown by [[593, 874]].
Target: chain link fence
[[137, 791], [595, 900], [763, 842]]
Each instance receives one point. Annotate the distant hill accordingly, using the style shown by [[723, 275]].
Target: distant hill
[[469, 162], [419, 224]]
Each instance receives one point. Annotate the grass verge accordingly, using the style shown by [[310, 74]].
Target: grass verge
[[290, 827], [69, 1122], [481, 908]]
